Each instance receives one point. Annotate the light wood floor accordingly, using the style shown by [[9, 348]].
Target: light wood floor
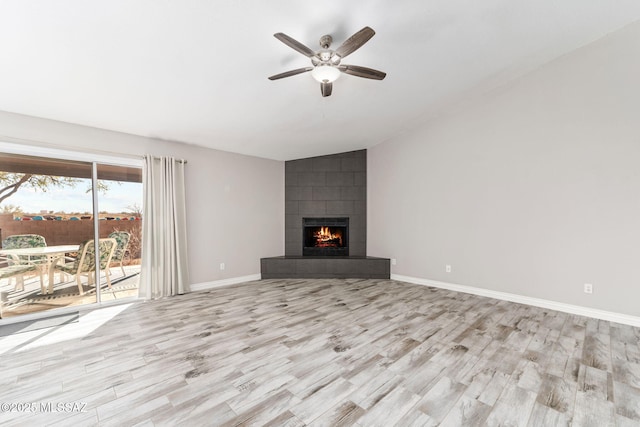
[[331, 352]]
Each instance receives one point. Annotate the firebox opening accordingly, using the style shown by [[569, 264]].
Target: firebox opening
[[325, 237]]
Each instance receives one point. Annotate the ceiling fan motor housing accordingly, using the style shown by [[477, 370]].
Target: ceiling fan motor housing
[[326, 56]]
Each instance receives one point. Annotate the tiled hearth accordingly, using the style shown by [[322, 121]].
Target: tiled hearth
[[333, 186], [302, 267]]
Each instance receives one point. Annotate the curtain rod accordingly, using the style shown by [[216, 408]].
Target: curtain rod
[[183, 161]]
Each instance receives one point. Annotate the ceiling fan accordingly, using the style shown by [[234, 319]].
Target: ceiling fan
[[327, 62]]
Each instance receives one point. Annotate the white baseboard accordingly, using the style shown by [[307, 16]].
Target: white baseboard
[[224, 282], [537, 302]]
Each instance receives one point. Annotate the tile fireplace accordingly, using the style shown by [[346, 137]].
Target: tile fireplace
[[326, 221]]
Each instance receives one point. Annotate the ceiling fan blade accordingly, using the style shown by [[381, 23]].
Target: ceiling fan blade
[[290, 73], [294, 44], [355, 41], [326, 88], [367, 73]]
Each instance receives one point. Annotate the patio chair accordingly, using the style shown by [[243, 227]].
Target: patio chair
[[122, 237], [18, 271], [21, 241], [85, 263]]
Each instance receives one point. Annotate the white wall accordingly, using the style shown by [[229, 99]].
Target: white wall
[[235, 203], [533, 191]]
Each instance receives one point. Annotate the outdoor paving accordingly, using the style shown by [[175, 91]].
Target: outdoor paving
[[66, 294]]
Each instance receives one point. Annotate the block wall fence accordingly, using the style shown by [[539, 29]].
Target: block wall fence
[[65, 232]]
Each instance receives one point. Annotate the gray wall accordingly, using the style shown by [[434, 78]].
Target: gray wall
[[235, 203], [327, 186], [534, 191]]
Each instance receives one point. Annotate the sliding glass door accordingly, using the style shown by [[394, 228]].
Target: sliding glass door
[[120, 218], [55, 216]]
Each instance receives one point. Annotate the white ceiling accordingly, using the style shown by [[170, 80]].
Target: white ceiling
[[196, 71]]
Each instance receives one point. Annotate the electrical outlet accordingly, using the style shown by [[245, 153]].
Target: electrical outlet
[[588, 288], [393, 261], [447, 268], [222, 266]]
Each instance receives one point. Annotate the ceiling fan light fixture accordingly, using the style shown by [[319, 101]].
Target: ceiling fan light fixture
[[326, 62], [325, 73]]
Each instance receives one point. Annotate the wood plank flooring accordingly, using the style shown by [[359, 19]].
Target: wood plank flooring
[[327, 353]]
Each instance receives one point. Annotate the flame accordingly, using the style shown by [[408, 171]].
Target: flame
[[324, 237]]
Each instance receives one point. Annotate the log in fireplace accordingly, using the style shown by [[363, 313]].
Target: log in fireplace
[[325, 236]]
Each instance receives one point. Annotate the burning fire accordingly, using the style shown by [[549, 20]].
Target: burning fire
[[324, 237]]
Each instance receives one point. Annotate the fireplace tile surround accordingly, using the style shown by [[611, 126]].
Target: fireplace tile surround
[[327, 186], [333, 186]]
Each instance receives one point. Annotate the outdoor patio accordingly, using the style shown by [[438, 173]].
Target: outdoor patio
[[65, 294]]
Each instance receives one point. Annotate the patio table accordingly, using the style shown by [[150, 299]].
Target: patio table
[[51, 252]]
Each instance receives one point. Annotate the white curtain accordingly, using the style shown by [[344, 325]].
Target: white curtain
[[164, 233]]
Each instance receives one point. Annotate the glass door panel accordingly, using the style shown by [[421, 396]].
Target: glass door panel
[[46, 216], [120, 218]]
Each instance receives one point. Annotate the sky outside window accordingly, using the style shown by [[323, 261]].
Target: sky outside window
[[120, 197]]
